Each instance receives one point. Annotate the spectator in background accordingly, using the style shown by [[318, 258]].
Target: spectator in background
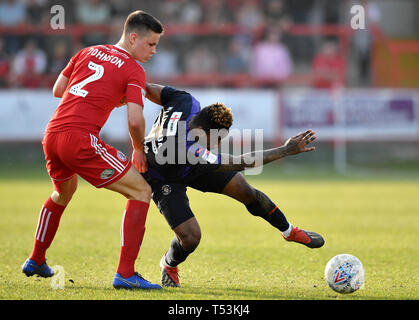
[[300, 10], [120, 9], [362, 42], [170, 11], [28, 65], [236, 59], [328, 66], [200, 60], [38, 12], [190, 11], [59, 59], [115, 29], [250, 15], [301, 46], [4, 65], [270, 58], [331, 11], [165, 64], [217, 12], [276, 14], [12, 12], [93, 12]]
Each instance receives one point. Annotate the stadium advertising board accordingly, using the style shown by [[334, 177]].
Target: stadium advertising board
[[24, 114], [352, 114]]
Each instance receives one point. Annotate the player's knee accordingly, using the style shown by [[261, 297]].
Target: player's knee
[[63, 192], [141, 192], [196, 238], [240, 190], [246, 194], [191, 240], [62, 199], [249, 193]]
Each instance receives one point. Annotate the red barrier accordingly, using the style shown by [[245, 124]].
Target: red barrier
[[342, 32]]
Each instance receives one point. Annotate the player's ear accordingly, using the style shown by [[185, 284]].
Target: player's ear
[[132, 37]]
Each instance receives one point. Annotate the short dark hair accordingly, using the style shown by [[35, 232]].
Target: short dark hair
[[215, 116], [140, 21]]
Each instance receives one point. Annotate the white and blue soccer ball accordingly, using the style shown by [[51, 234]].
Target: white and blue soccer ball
[[344, 273]]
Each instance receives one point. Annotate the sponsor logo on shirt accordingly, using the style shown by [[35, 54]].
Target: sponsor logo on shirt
[[121, 156], [107, 173], [172, 125], [206, 155]]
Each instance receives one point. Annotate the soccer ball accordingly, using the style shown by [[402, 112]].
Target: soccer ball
[[344, 273]]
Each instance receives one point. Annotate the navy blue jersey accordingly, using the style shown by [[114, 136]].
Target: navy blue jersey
[[173, 152]]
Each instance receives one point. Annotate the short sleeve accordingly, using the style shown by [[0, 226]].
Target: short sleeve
[[68, 70], [169, 94], [136, 87]]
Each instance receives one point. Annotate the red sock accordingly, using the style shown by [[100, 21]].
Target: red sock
[[48, 222], [132, 233]]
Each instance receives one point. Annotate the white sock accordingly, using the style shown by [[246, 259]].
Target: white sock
[[287, 232]]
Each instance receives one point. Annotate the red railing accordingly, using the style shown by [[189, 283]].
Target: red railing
[[342, 32]]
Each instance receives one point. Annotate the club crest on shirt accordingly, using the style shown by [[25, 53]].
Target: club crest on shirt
[[166, 189], [107, 173], [121, 156]]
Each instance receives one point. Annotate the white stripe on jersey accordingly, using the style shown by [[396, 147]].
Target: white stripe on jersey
[[111, 160], [131, 84]]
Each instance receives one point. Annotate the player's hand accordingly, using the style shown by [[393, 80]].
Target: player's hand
[[298, 143], [139, 160]]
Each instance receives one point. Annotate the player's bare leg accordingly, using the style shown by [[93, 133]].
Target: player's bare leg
[[258, 204], [188, 236], [134, 187], [47, 227], [67, 190]]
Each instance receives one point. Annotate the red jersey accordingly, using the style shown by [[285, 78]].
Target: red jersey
[[99, 77]]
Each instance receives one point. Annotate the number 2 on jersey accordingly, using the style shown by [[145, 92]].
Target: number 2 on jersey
[[77, 88]]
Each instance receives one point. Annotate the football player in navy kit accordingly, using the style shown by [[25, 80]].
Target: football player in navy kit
[[178, 154]]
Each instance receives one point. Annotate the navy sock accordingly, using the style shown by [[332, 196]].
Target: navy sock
[[176, 254], [263, 207]]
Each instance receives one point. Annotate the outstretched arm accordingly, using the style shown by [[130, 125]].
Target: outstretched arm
[[154, 92], [292, 146]]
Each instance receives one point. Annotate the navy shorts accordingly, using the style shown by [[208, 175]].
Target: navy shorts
[[171, 198]]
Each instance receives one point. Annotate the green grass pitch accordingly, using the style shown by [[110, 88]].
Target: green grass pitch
[[240, 257]]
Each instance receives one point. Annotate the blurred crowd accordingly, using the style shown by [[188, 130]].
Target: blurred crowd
[[262, 48]]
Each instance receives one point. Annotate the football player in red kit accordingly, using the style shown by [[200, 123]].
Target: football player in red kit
[[96, 80]]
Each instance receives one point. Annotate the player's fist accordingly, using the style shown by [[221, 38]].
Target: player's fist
[[139, 160]]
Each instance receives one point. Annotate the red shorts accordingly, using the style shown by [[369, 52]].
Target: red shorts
[[83, 153]]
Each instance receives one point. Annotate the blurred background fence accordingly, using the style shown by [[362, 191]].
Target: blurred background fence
[[282, 65]]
